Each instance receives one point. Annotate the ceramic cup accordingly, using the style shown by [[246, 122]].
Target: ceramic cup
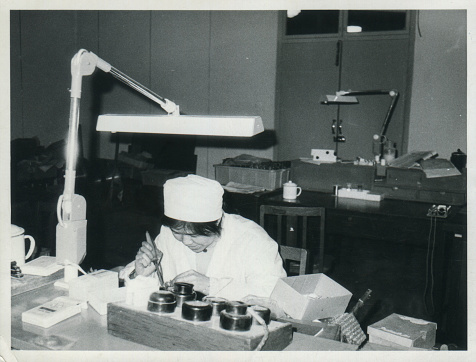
[[291, 191], [18, 245]]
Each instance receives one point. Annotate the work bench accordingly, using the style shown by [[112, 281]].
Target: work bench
[[401, 226], [88, 331]]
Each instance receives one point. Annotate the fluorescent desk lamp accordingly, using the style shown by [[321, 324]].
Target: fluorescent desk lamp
[[71, 208], [349, 97], [185, 125]]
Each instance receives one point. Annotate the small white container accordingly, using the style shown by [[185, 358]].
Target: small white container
[[291, 191], [17, 242]]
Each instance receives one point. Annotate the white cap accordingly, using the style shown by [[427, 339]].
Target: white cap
[[193, 198]]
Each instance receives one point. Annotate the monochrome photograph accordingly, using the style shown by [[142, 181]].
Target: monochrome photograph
[[228, 181]]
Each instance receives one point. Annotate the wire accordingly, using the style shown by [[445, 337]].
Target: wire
[[426, 266], [429, 266], [67, 262], [431, 269], [265, 327]]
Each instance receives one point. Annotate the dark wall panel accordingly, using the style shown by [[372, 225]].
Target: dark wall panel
[[180, 47], [47, 41], [124, 42], [16, 125]]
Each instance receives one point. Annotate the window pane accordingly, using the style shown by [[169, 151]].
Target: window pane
[[372, 20], [313, 22]]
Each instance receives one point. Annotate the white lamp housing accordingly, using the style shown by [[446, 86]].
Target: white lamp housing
[[238, 126]]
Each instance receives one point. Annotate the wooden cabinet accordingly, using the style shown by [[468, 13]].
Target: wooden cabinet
[[454, 318], [311, 66], [306, 71]]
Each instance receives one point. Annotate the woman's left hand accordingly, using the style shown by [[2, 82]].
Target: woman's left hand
[[201, 283]]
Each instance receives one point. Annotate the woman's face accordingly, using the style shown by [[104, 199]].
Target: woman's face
[[196, 243]]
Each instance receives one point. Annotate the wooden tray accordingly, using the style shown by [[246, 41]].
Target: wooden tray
[[172, 333]]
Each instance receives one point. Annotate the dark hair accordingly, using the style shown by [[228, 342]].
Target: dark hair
[[212, 228]]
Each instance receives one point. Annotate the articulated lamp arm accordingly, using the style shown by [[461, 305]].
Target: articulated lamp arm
[[349, 97], [83, 64], [71, 208], [393, 93]]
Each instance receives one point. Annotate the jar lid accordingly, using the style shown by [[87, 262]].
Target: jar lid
[[16, 230]]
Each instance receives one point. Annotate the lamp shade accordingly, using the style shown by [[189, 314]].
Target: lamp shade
[[208, 125]]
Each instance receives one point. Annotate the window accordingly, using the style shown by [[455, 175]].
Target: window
[[309, 22], [330, 22], [372, 20]]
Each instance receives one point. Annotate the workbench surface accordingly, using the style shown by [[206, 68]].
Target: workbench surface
[[87, 331]]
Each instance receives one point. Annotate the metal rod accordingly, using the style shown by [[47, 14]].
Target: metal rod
[[71, 149], [137, 86], [389, 113], [367, 92]]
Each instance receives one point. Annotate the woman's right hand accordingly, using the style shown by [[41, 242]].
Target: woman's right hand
[[145, 255]]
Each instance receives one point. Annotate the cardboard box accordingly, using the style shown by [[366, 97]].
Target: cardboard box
[[310, 297], [400, 330]]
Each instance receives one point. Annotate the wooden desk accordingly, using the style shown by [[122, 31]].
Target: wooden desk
[[248, 206], [395, 225]]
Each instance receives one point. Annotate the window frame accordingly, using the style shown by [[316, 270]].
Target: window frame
[[342, 29]]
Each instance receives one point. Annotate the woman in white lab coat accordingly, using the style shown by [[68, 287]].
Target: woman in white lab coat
[[222, 255]]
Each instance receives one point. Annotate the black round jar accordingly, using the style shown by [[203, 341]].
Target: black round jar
[[196, 311], [162, 302]]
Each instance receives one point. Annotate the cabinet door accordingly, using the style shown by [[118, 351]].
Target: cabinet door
[[372, 64], [311, 65], [307, 70]]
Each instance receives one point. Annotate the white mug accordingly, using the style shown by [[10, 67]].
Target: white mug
[[17, 242], [291, 191]]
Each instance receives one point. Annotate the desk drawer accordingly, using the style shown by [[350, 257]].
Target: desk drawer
[[441, 197], [407, 230], [396, 192]]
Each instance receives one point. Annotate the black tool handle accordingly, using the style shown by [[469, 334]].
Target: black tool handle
[[158, 267], [361, 301]]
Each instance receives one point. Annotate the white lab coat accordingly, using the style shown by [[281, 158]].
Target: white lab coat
[[245, 259]]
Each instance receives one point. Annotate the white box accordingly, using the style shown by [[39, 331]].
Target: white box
[[99, 299], [43, 266], [310, 297], [400, 330], [52, 312], [79, 288], [361, 195], [323, 155]]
